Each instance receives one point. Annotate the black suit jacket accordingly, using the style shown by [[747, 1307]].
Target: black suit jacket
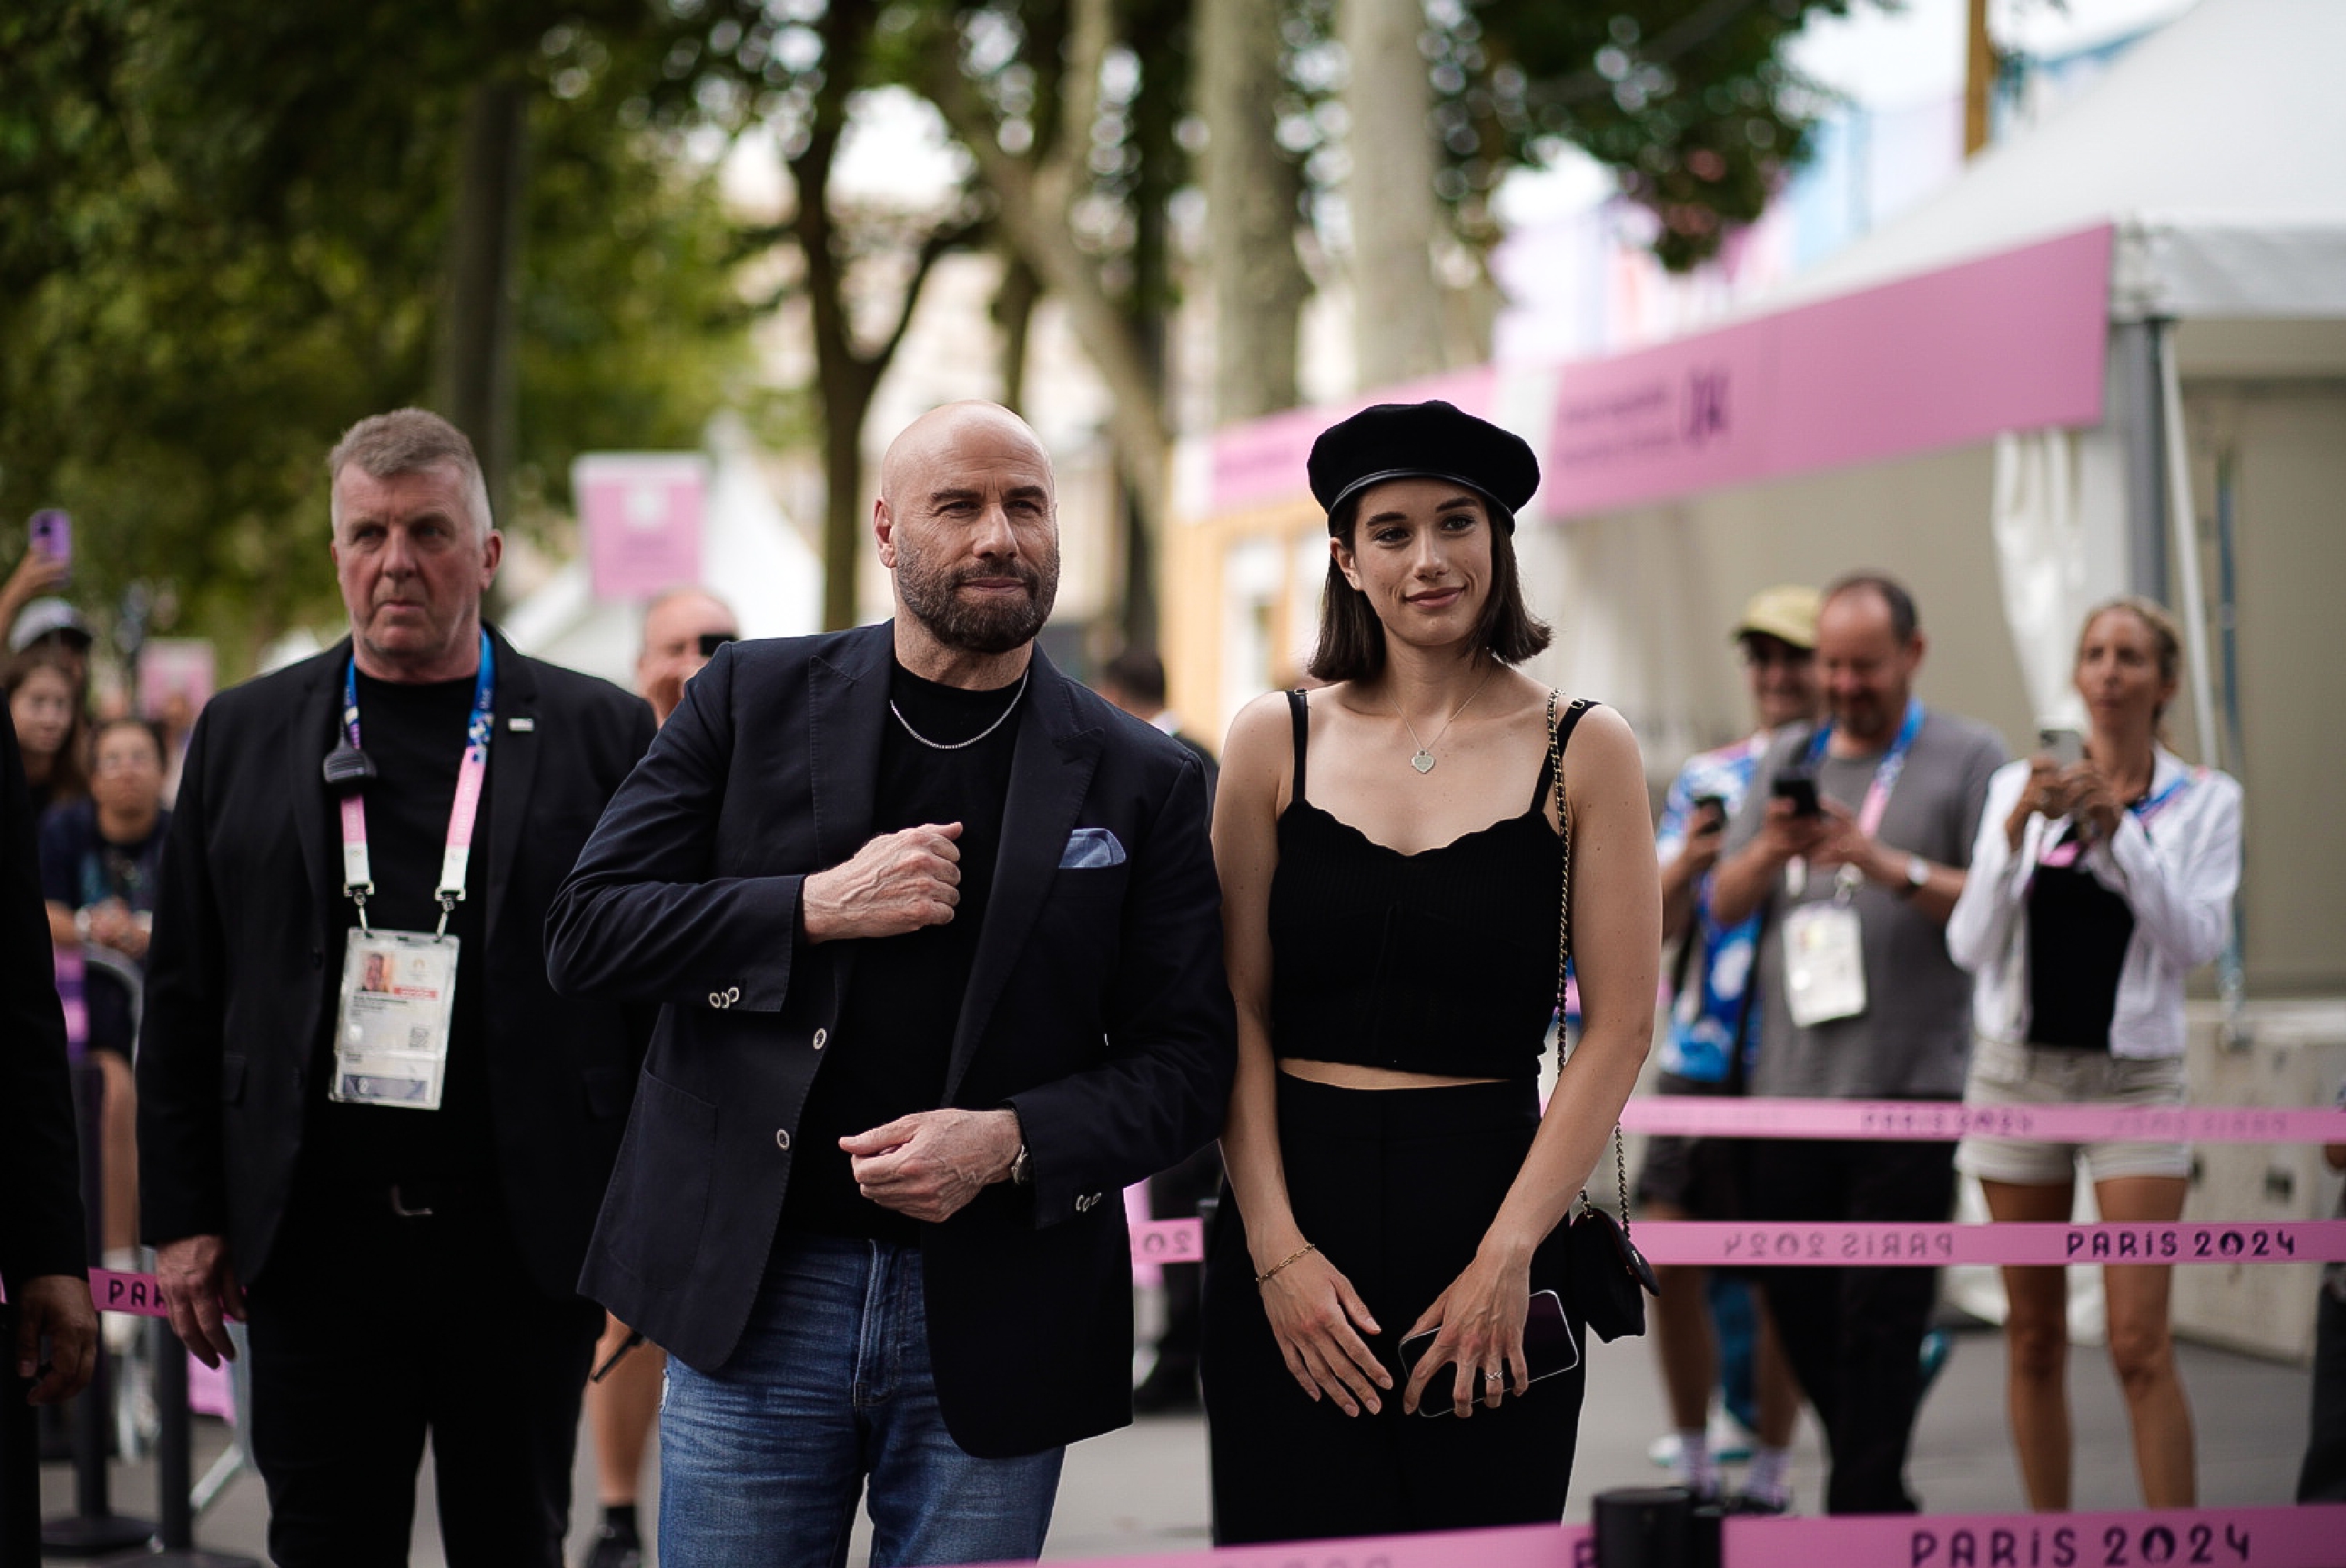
[[1096, 1007], [41, 1222], [245, 950]]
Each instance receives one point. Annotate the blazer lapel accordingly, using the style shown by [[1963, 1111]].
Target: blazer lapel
[[315, 810], [512, 772], [847, 712], [1049, 773]]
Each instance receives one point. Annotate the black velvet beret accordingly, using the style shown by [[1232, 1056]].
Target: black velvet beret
[[1421, 440]]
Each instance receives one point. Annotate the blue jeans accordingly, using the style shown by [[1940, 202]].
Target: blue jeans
[[761, 1461]]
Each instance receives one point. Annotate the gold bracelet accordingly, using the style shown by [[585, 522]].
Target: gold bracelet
[[1264, 1278]]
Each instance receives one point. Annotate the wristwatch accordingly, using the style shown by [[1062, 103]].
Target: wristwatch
[[1918, 876], [1022, 1168]]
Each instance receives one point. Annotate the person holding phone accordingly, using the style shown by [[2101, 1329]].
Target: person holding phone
[[1708, 1050], [2098, 883], [51, 726], [1391, 867]]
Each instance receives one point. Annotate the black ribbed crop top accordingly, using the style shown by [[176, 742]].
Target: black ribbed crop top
[[1442, 962]]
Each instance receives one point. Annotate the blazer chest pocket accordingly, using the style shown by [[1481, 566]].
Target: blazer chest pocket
[[663, 1181]]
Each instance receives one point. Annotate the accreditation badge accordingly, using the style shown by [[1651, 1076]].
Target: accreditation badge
[[391, 1032], [1824, 964]]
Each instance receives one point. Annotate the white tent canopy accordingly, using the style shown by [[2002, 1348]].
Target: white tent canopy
[[2214, 145]]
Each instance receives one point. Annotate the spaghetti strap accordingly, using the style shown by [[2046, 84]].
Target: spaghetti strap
[[1301, 714], [1564, 723]]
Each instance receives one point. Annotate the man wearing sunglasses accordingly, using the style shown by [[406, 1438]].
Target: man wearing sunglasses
[[683, 629]]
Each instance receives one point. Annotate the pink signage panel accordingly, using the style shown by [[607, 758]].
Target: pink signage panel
[[1263, 460], [640, 513], [2014, 342]]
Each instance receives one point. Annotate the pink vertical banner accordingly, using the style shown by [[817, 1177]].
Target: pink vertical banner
[[640, 513], [175, 673]]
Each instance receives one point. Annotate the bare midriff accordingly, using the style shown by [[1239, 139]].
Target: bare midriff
[[1350, 1075]]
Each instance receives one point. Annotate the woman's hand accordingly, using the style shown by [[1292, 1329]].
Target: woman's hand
[[2045, 794], [2091, 798], [1480, 1324], [1318, 1319]]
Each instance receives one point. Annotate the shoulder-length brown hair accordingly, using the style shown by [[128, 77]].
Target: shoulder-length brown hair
[[68, 776], [1351, 644]]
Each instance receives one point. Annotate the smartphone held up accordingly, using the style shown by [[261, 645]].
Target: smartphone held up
[[51, 533]]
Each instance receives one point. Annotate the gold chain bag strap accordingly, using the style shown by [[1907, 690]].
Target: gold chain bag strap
[[1609, 1277]]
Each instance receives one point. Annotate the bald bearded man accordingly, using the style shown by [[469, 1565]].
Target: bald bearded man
[[936, 938]]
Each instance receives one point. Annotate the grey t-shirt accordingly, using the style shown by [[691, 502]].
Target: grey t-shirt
[[1913, 1040]]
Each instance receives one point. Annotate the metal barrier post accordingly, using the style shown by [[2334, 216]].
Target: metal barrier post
[[175, 1465], [93, 1529]]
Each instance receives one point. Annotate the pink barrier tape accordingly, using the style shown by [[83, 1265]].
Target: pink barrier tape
[[2301, 1537], [137, 1294], [2312, 1535], [1712, 1242], [1944, 1121]]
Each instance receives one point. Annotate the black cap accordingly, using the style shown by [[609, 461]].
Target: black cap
[[1422, 440]]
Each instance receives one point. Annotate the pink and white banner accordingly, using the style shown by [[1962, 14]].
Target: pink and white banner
[[640, 513], [2013, 342], [1944, 1121]]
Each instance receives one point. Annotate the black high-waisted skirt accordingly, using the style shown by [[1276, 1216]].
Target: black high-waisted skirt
[[1396, 1186]]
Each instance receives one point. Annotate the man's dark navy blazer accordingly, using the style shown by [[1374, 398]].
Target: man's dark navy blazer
[[247, 930], [1096, 1007]]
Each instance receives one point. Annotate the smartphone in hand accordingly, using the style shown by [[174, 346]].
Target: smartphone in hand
[[2066, 747], [51, 533], [1548, 1349], [1801, 790]]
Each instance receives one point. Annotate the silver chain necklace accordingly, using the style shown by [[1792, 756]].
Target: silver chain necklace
[[1007, 712], [1423, 760]]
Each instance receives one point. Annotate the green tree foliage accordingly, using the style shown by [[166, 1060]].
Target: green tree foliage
[[222, 230]]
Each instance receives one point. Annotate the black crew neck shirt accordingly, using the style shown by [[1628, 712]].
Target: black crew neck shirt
[[889, 1053], [414, 735], [2078, 936]]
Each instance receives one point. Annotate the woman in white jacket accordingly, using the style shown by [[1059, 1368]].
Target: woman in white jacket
[[2094, 890]]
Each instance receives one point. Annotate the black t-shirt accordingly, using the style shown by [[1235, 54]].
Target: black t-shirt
[[414, 734], [889, 1053], [81, 867], [2078, 936]]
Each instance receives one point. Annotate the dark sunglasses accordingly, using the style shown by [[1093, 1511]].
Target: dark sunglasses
[[711, 641]]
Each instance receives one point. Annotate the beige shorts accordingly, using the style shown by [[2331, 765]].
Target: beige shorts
[[2004, 1075]]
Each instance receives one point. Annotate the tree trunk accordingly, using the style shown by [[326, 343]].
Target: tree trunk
[[476, 344], [1251, 189], [1015, 298], [1396, 304]]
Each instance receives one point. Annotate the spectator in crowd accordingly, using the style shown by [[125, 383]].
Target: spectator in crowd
[[2097, 884], [405, 1180], [1395, 892], [682, 628], [36, 573], [1135, 681], [44, 708], [44, 1264], [980, 901], [1851, 848], [53, 625], [99, 861], [1708, 1048]]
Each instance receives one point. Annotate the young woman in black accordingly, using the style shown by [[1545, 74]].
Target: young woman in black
[[1390, 865]]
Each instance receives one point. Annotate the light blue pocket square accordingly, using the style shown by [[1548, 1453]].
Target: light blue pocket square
[[1089, 849]]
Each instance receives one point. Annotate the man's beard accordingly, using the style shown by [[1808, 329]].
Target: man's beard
[[934, 599]]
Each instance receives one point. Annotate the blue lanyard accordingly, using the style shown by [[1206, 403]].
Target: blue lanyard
[[357, 871]]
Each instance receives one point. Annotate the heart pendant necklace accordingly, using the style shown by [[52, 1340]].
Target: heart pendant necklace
[[1423, 760]]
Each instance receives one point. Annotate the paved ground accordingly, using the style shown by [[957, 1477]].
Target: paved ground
[[1144, 1488]]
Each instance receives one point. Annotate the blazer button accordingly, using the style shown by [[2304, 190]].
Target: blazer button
[[782, 1138], [821, 1038]]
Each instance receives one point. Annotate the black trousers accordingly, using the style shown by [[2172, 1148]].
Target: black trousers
[[369, 1329], [2323, 1477], [1854, 1336], [1396, 1186]]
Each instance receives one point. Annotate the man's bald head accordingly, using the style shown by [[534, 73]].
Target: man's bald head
[[953, 431]]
